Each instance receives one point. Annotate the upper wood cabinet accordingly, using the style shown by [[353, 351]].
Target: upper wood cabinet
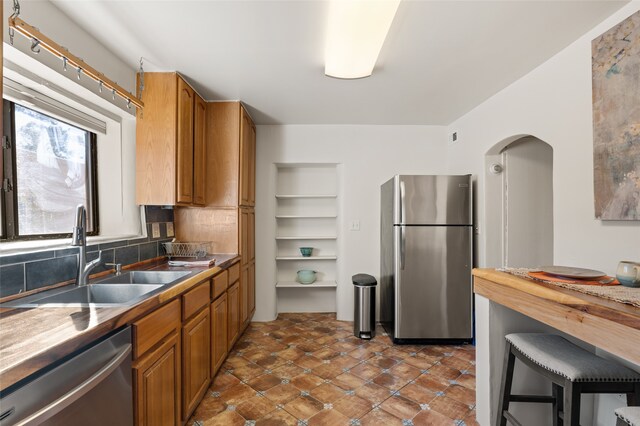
[[231, 155], [170, 143]]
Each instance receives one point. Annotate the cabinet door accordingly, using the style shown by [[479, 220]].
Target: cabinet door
[[251, 236], [246, 133], [252, 167], [244, 294], [185, 143], [218, 333], [244, 237], [251, 289], [199, 147], [157, 385], [233, 319], [196, 347]]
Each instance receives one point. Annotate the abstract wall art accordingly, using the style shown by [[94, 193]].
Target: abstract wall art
[[616, 121]]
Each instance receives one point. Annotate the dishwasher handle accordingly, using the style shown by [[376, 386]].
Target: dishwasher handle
[[79, 391]]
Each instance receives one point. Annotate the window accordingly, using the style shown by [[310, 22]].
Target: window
[[49, 168]]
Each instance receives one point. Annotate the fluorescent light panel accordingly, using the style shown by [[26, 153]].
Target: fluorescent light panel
[[356, 32]]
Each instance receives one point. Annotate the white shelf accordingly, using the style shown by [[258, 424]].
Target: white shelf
[[295, 284], [308, 238], [288, 196], [306, 216], [306, 258]]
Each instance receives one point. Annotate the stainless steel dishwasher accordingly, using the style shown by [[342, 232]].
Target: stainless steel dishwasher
[[92, 387]]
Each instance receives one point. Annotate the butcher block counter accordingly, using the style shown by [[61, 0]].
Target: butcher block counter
[[34, 338], [606, 324]]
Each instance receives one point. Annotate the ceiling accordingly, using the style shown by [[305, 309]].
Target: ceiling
[[439, 61]]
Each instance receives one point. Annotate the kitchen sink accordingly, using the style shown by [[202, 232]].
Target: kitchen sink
[[118, 290], [146, 277]]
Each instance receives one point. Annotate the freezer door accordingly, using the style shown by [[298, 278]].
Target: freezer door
[[433, 200], [433, 293]]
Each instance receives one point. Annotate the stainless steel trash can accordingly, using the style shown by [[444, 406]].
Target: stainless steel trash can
[[364, 299]]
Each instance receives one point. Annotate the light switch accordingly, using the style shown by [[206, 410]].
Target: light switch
[[155, 230], [354, 225], [170, 229]]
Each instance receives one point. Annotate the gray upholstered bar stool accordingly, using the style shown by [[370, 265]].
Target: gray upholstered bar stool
[[572, 371], [628, 416]]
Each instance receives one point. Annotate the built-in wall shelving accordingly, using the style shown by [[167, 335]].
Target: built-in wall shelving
[[306, 216]]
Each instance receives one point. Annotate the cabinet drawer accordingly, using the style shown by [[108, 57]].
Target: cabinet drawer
[[195, 299], [234, 273], [220, 283], [150, 330]]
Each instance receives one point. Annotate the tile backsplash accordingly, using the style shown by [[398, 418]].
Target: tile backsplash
[[29, 271]]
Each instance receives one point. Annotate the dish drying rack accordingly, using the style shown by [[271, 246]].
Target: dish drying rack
[[177, 249]]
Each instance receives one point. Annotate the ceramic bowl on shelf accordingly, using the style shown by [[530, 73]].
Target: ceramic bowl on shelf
[[306, 251], [306, 276]]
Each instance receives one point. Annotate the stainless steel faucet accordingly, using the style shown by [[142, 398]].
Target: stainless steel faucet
[[79, 239]]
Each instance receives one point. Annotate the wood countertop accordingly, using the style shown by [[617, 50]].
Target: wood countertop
[[33, 338], [609, 325]]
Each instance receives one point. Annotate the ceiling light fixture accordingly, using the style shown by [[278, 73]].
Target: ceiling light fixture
[[356, 32]]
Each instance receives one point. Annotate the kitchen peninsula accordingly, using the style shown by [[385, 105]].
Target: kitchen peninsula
[[608, 325]]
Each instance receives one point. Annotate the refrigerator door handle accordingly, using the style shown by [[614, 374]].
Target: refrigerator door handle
[[402, 202], [402, 245]]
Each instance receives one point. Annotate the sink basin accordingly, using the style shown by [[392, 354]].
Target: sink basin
[[96, 295], [146, 277], [118, 290]]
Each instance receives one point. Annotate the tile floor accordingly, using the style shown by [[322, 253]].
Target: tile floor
[[309, 369]]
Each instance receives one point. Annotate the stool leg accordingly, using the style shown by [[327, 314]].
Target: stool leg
[[505, 386], [571, 403], [633, 398], [557, 393]]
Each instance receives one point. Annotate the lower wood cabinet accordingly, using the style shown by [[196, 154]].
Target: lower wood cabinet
[[244, 294], [156, 381], [251, 290], [233, 310], [218, 333], [196, 346]]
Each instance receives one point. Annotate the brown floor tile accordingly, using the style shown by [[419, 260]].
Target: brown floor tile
[[379, 417], [461, 394], [431, 418], [248, 371], [236, 394], [382, 361], [421, 361], [309, 346], [417, 393], [255, 408], [466, 354], [277, 418], [348, 381], [449, 407], [291, 354], [352, 406], [366, 371], [282, 393], [444, 372], [306, 382], [344, 361], [328, 418], [327, 371], [344, 346], [401, 407], [390, 381], [326, 340], [468, 381], [327, 393], [264, 382], [404, 371], [271, 362], [287, 371], [362, 353], [373, 393], [226, 418], [395, 353], [457, 363], [235, 362], [304, 407], [209, 407], [308, 361], [431, 382], [224, 381], [470, 420]]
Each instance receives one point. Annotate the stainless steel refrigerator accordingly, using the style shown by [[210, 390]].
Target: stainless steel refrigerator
[[426, 258]]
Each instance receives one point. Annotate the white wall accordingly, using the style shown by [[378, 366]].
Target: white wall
[[367, 157], [552, 103]]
